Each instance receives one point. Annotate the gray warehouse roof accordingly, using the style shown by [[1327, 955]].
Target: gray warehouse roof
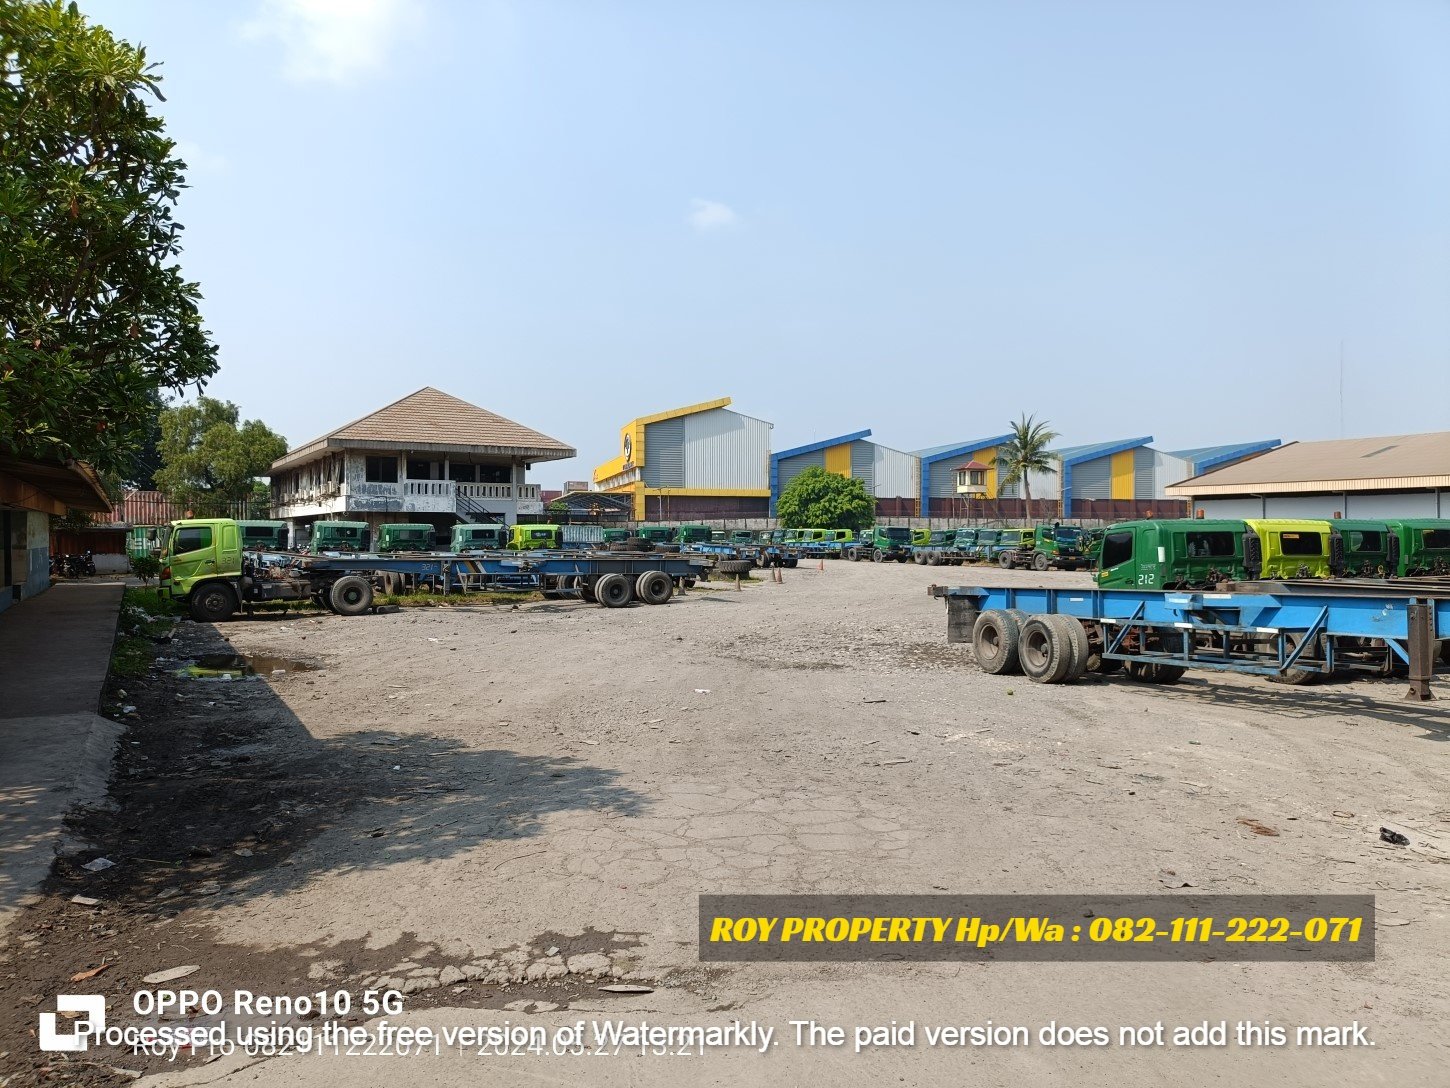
[[1347, 464]]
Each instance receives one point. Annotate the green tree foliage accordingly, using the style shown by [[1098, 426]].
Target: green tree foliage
[[1024, 453], [96, 314], [210, 458], [817, 499]]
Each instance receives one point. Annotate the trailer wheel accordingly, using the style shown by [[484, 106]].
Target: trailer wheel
[[1045, 652], [637, 544], [1153, 672], [654, 587], [1040, 561], [1077, 638], [794, 560], [734, 566], [613, 591], [212, 602], [1298, 677], [878, 556], [1103, 665], [351, 595], [1004, 560], [1445, 652], [586, 590], [995, 638]]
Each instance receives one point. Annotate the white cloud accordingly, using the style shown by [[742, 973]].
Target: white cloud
[[331, 41], [708, 215]]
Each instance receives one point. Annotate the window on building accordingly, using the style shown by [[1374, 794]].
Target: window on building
[[462, 472], [1117, 548], [978, 477], [420, 470], [191, 539], [1301, 543], [495, 474], [381, 470], [1210, 545]]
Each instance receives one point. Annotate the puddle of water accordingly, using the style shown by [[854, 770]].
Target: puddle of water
[[237, 666]]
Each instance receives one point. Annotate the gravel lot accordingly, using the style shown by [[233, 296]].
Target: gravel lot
[[566, 780]]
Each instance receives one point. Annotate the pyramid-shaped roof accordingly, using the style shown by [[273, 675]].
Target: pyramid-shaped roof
[[431, 421]]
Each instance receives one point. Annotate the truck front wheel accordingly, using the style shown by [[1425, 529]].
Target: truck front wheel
[[1040, 561], [212, 602]]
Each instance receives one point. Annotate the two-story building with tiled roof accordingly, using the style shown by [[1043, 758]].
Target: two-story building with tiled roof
[[429, 457]]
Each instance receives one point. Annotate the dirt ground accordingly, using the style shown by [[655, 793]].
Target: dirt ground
[[501, 809]]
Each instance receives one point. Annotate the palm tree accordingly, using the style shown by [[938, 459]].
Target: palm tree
[[1025, 453]]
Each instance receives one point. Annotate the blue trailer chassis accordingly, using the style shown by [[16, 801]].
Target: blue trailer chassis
[[1299, 627], [561, 572]]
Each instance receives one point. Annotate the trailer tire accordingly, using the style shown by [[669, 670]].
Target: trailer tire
[[212, 602], [638, 544], [1040, 561], [1045, 652], [351, 595], [734, 566], [1445, 652], [1101, 665], [654, 587], [1004, 560], [995, 639], [1153, 672], [1077, 638], [1297, 678], [878, 556], [792, 561], [613, 591], [586, 590]]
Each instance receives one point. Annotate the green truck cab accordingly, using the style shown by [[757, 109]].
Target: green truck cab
[[1171, 553], [880, 544], [986, 544], [1287, 548], [692, 534], [964, 541], [920, 537], [742, 536], [339, 536], [615, 536], [656, 534], [1424, 546], [271, 536], [478, 538], [405, 537], [535, 537], [197, 551], [1048, 547], [1362, 548]]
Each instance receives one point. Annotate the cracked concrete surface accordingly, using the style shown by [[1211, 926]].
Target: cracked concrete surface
[[821, 736]]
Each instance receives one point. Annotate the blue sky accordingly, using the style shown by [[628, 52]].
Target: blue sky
[[919, 217]]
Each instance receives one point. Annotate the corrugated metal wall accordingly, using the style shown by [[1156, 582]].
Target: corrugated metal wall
[[792, 467], [863, 464], [1044, 486], [942, 483], [1168, 470], [1143, 479], [664, 453], [894, 475], [1093, 479], [724, 449]]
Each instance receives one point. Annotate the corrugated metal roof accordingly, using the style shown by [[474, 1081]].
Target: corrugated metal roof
[[956, 449], [1204, 458], [1094, 450], [1355, 464], [825, 443], [431, 419], [676, 413]]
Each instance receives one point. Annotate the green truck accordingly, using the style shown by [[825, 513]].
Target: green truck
[[339, 536], [405, 537], [535, 537], [880, 544], [1046, 547], [478, 538]]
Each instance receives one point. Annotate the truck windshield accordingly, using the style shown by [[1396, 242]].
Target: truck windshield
[[988, 536], [895, 533], [1069, 534]]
